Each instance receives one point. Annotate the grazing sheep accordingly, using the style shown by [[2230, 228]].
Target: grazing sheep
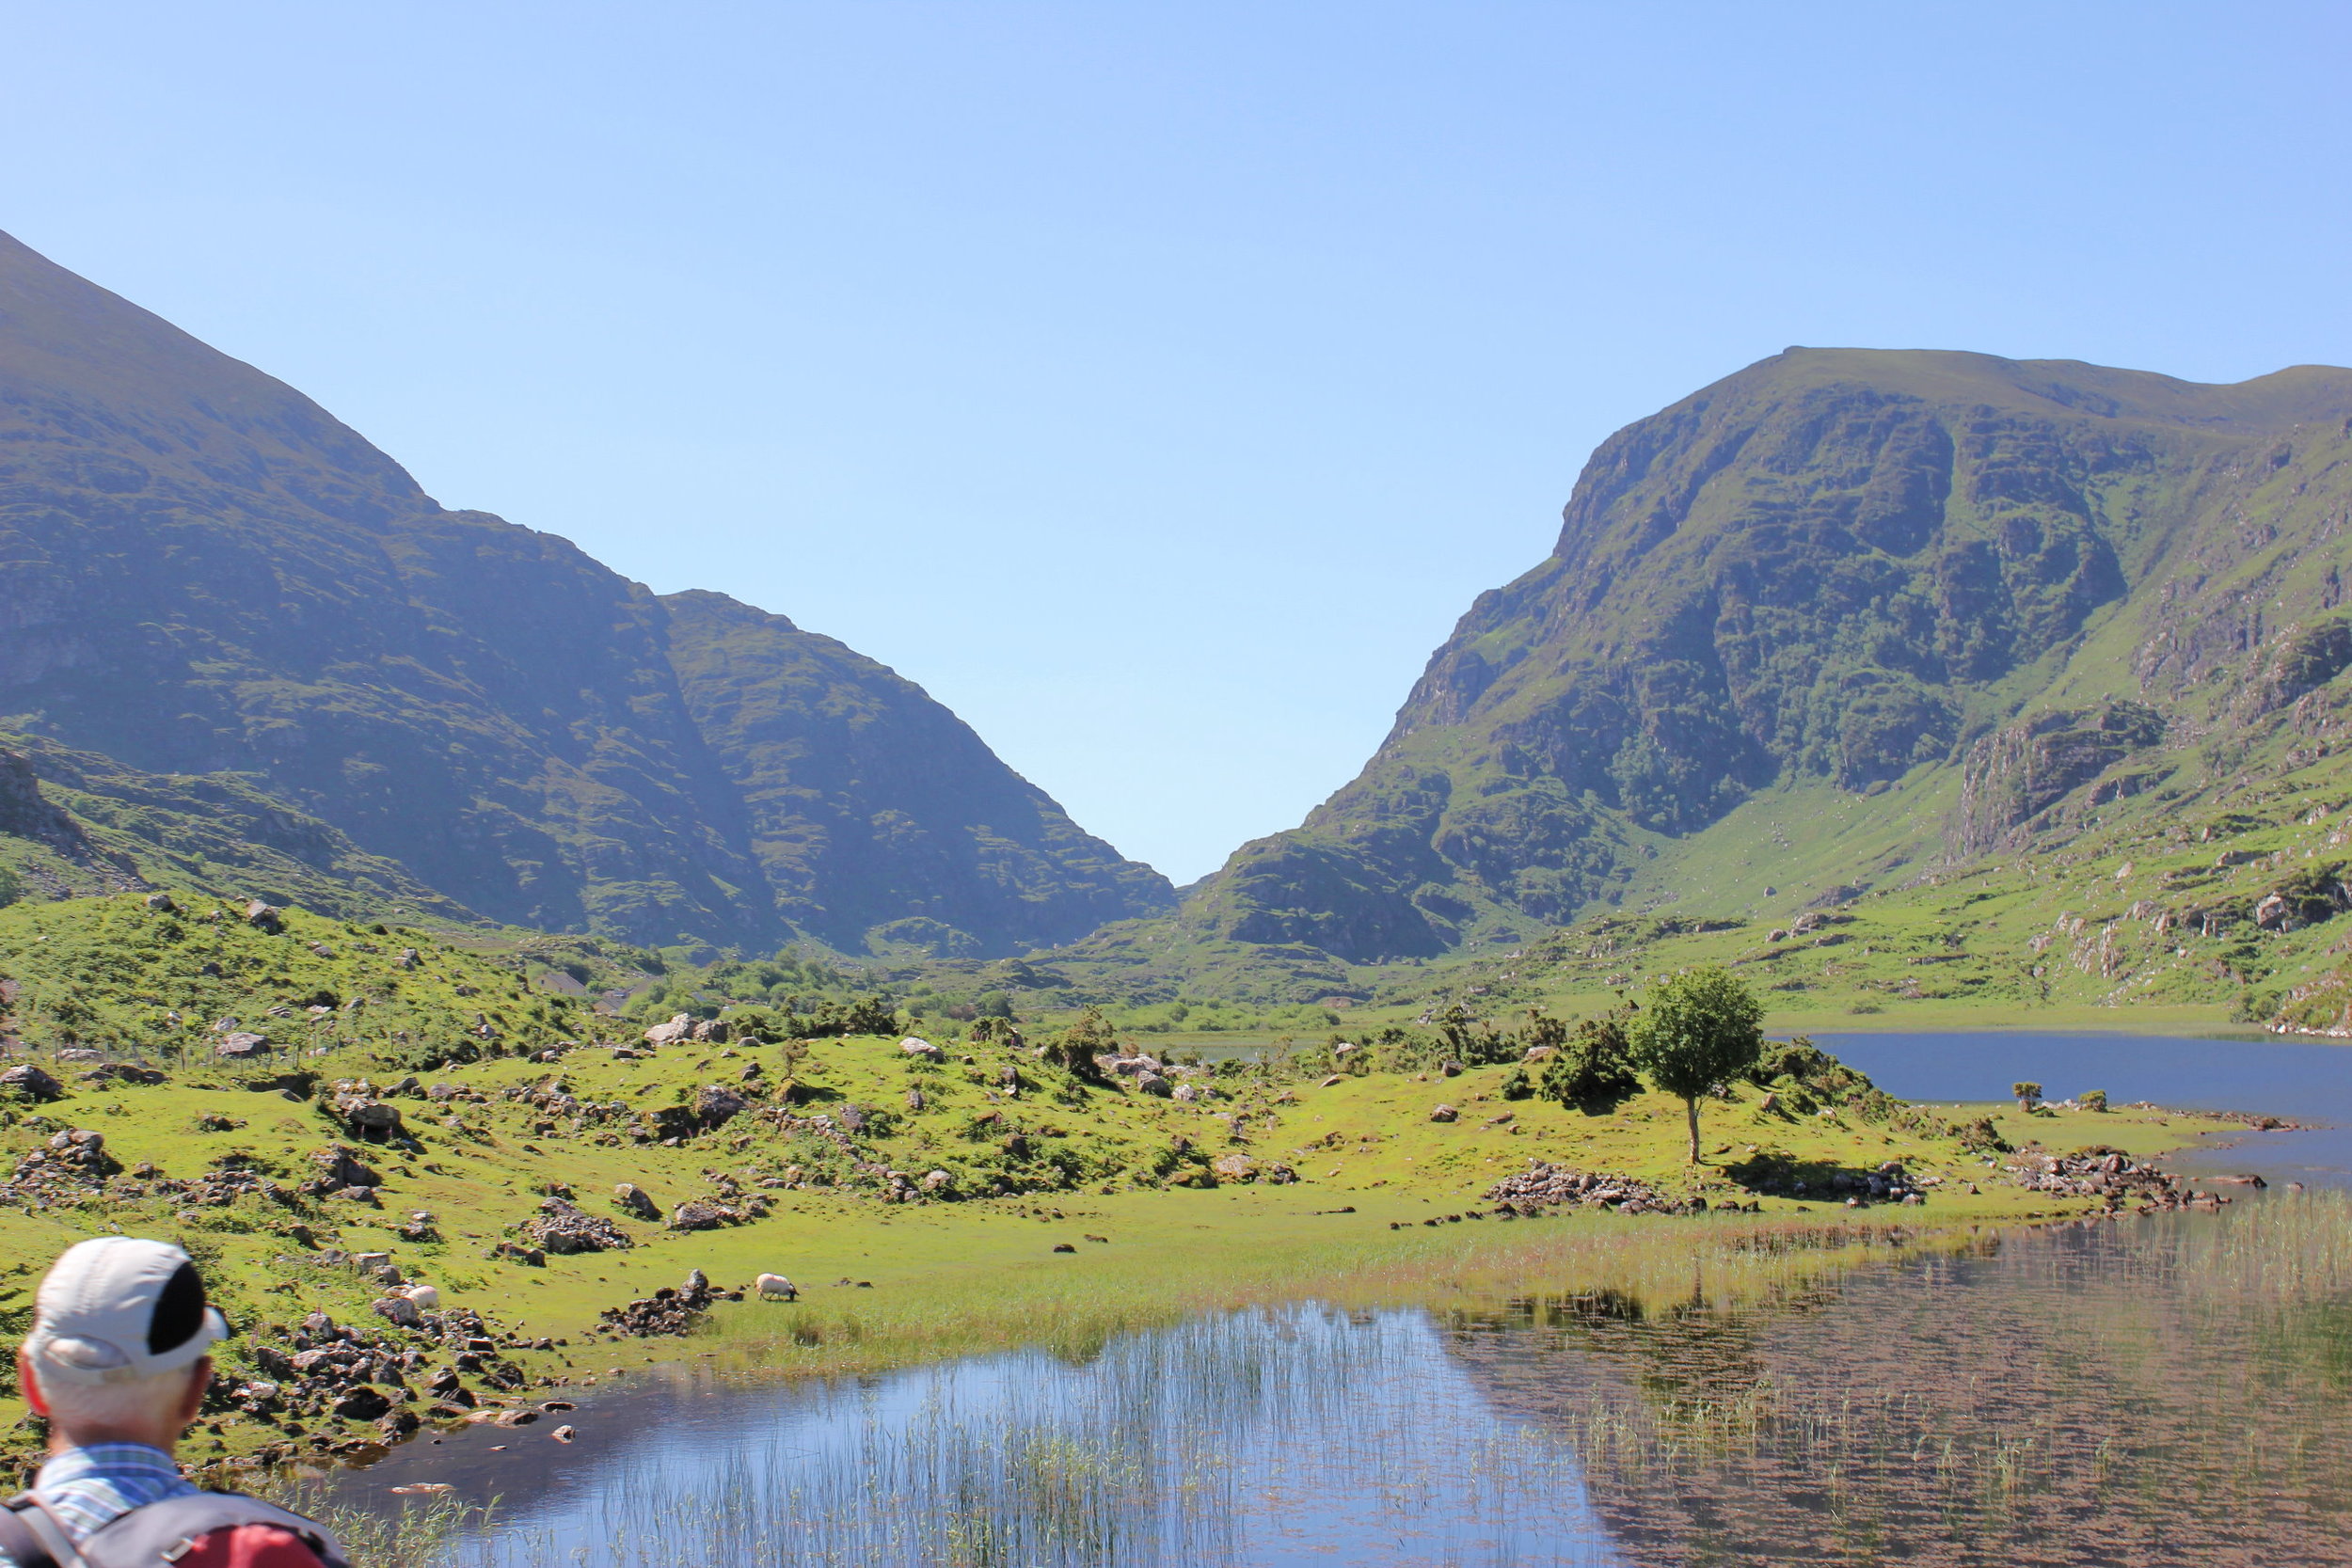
[[425, 1297], [776, 1285]]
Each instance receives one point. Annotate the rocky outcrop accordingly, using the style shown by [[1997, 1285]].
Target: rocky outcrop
[[562, 1227], [2109, 1174], [72, 1167], [28, 1082], [2013, 774], [1543, 1185], [666, 1311]]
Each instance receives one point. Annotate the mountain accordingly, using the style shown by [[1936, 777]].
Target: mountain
[[1979, 594], [203, 573]]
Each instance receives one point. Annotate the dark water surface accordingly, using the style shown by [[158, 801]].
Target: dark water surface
[[2160, 1390], [2307, 1082]]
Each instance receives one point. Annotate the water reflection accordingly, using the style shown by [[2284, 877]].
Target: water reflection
[[1297, 1436], [2167, 1390], [2150, 1390]]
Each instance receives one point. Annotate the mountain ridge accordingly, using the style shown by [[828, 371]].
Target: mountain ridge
[[202, 572], [1856, 565]]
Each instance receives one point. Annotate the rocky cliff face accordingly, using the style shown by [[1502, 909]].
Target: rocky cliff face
[[201, 572], [1836, 565]]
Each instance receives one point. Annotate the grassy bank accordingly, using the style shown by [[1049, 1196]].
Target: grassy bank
[[987, 1194]]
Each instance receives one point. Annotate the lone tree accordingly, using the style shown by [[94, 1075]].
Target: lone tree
[[1697, 1029], [2028, 1096]]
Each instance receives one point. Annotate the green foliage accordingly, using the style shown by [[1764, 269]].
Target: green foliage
[[1695, 1031], [116, 974], [1982, 1138], [1590, 1063], [2092, 1099], [1074, 1049]]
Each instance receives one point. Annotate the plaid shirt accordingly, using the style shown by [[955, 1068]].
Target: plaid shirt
[[93, 1486]]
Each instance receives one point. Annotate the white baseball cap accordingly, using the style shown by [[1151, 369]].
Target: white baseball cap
[[118, 1308]]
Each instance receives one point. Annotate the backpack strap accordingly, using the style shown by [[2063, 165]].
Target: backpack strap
[[31, 1538], [163, 1531], [19, 1543]]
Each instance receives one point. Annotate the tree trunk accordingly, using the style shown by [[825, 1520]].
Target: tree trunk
[[1691, 1105]]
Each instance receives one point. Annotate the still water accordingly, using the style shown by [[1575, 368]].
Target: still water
[[2167, 1390], [2307, 1082]]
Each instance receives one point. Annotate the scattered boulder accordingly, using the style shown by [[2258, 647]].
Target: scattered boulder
[[125, 1073], [697, 1213], [363, 1403], [369, 1121], [666, 1311], [679, 1027], [923, 1048], [264, 917], [1543, 1185], [2104, 1173], [397, 1310], [340, 1167], [162, 903], [242, 1045], [562, 1229], [30, 1083], [716, 1104], [70, 1167], [634, 1201], [1444, 1113], [1233, 1167], [1152, 1083]]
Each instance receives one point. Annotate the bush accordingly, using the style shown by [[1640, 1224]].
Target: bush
[[1982, 1138], [1590, 1063]]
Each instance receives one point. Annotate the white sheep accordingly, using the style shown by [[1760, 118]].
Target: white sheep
[[425, 1297], [776, 1285]]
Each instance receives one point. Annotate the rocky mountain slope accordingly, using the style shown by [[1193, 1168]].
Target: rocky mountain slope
[[1961, 599], [203, 573]]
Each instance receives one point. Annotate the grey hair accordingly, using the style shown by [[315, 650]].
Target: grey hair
[[75, 1404]]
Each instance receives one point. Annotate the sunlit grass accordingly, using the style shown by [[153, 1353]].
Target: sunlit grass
[[1720, 1261]]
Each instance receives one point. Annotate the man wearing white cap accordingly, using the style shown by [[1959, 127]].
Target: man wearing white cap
[[117, 1364]]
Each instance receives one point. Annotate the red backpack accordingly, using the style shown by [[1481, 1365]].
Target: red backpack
[[201, 1530]]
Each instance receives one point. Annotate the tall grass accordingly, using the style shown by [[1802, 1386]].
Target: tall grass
[[1716, 1261], [2175, 1390]]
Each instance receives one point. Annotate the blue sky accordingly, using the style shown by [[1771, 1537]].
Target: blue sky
[[1155, 383]]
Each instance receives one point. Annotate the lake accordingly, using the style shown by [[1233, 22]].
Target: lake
[[2167, 1389]]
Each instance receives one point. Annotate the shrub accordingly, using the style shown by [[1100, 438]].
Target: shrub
[[1590, 1063]]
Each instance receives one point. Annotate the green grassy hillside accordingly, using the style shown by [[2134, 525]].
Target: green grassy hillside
[[993, 1183], [1840, 618]]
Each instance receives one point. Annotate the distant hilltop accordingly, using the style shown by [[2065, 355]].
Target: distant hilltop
[[247, 651]]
